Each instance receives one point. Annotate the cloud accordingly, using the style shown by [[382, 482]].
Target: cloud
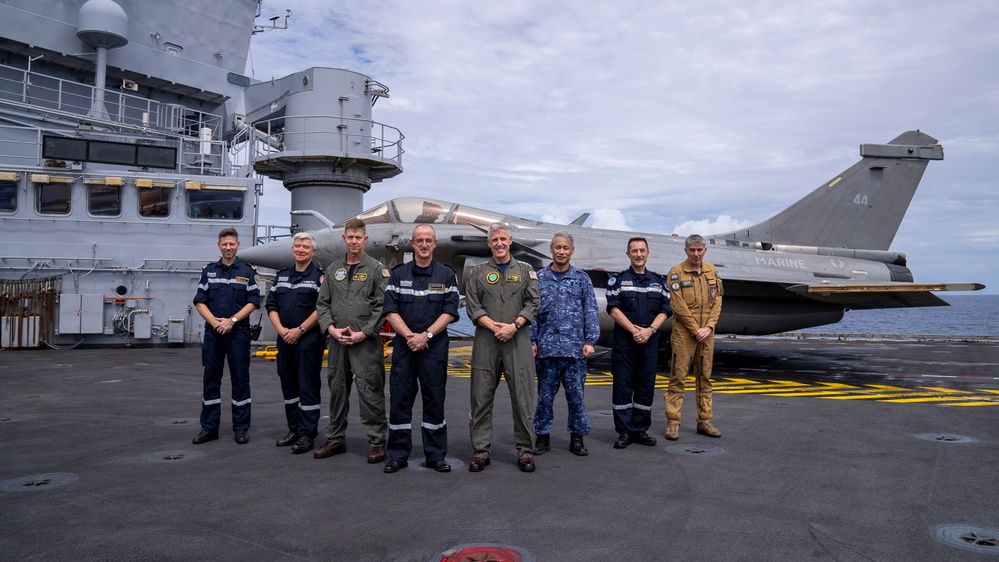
[[612, 219], [677, 110], [723, 223]]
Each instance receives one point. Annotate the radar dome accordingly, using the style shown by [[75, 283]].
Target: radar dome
[[103, 23]]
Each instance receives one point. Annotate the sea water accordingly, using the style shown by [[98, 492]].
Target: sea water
[[967, 315]]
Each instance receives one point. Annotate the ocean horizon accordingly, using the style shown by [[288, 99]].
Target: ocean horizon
[[967, 315]]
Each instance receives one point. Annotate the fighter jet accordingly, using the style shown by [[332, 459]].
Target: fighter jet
[[803, 267]]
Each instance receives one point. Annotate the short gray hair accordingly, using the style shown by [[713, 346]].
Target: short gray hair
[[493, 227], [563, 234], [694, 240], [305, 236]]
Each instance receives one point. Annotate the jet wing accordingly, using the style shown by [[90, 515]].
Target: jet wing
[[880, 295], [855, 296]]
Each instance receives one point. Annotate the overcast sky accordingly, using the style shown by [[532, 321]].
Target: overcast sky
[[669, 116]]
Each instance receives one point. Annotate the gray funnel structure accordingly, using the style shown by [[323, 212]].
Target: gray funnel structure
[[315, 134]]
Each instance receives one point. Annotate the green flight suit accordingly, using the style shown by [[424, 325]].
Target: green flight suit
[[355, 300], [503, 296]]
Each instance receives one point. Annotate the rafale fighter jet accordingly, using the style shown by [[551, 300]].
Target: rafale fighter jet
[[803, 267]]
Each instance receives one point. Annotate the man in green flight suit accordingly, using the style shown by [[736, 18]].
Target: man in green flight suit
[[501, 297], [350, 312]]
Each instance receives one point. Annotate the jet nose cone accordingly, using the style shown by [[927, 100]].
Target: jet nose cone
[[274, 255]]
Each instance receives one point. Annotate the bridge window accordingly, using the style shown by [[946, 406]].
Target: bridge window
[[104, 200], [215, 204], [154, 202], [53, 198], [8, 197]]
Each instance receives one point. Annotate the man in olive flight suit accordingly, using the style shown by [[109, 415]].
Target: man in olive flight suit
[[502, 296], [350, 311]]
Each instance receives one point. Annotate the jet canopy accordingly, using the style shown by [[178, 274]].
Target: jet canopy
[[420, 210]]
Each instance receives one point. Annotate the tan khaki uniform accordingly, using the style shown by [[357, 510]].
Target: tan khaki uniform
[[696, 299]]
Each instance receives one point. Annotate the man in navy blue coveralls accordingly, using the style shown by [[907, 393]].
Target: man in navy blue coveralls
[[421, 299], [638, 301], [227, 294], [291, 307]]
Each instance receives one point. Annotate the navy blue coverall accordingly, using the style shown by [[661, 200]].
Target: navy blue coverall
[[293, 295], [419, 296], [641, 297], [226, 290]]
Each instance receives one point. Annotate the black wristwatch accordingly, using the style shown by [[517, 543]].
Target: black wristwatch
[[518, 325]]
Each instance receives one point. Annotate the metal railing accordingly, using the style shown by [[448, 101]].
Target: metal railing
[[321, 135], [75, 100]]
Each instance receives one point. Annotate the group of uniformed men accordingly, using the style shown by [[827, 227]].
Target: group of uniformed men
[[344, 307]]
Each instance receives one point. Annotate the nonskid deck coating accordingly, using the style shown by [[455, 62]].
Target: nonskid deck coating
[[101, 441]]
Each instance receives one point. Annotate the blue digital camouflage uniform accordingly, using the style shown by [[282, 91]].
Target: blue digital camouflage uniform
[[293, 296], [641, 297], [567, 320], [226, 289]]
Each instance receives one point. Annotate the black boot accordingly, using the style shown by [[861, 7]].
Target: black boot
[[576, 446], [542, 443]]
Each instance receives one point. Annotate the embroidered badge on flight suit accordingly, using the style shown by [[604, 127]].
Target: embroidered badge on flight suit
[[340, 274], [360, 277], [533, 275], [492, 278], [512, 278], [385, 272]]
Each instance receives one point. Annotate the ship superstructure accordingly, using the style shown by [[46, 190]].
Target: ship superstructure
[[129, 137]]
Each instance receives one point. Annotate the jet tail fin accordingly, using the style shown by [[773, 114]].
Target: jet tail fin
[[860, 208]]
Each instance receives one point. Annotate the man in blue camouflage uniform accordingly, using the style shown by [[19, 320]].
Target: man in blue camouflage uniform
[[227, 294], [638, 301], [291, 307], [562, 337], [421, 299]]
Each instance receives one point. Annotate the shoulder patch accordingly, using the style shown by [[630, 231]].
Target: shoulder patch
[[385, 272], [533, 275]]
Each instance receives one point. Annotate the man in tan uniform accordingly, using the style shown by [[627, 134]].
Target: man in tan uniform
[[696, 292]]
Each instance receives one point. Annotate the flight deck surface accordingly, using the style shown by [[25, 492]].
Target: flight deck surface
[[831, 450]]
